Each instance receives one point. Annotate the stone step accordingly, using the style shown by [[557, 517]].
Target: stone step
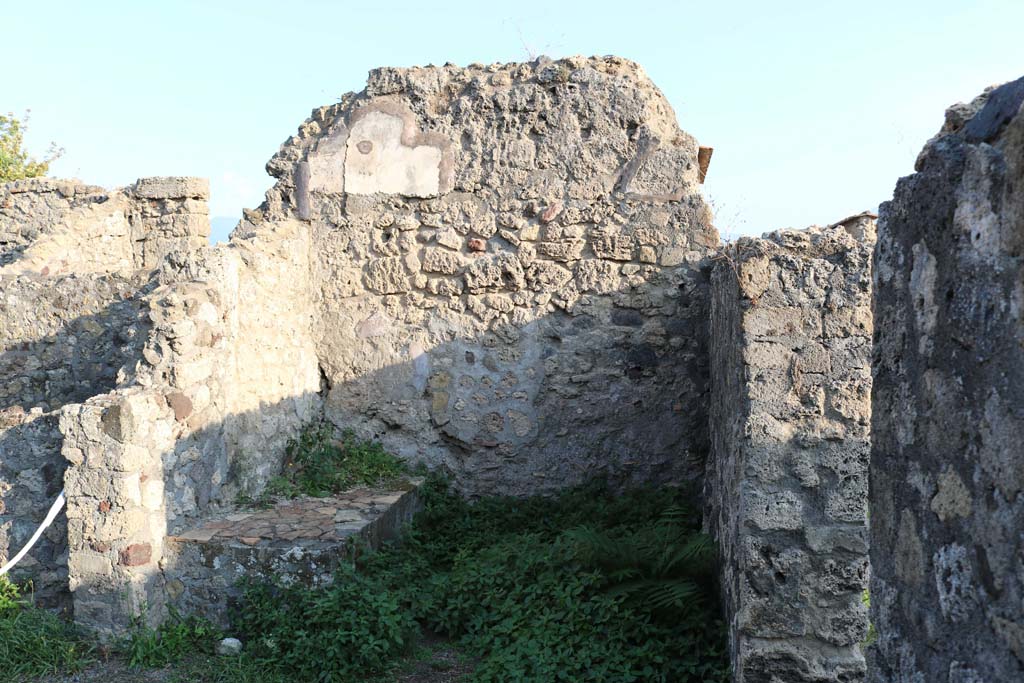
[[295, 540]]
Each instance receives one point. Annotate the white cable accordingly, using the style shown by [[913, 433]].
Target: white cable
[[50, 516]]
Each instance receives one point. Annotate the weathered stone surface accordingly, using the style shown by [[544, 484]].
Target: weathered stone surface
[[51, 227], [115, 537], [229, 647], [305, 539], [31, 476], [947, 480], [65, 339], [547, 179], [786, 485]]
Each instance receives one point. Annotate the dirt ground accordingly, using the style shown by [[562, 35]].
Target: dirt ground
[[436, 661]]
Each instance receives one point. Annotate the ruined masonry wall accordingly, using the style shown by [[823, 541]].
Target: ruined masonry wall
[[507, 266], [786, 486], [74, 262], [227, 376], [30, 209], [947, 471], [31, 476], [64, 339], [51, 227], [117, 523]]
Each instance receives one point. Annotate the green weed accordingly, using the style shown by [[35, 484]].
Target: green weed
[[34, 642], [175, 638], [585, 586], [317, 464]]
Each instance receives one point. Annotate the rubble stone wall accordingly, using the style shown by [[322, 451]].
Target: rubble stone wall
[[50, 227], [507, 270], [227, 375], [786, 485], [117, 522], [232, 351], [30, 209], [74, 262], [31, 476], [64, 339], [947, 471]]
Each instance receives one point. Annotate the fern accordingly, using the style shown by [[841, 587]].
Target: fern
[[666, 567]]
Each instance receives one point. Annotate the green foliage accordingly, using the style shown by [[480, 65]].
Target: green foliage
[[586, 586], [663, 568], [218, 669], [15, 163], [317, 464], [566, 588], [355, 628], [175, 638], [34, 642], [10, 596], [871, 637]]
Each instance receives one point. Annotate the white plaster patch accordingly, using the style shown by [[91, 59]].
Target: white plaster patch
[[377, 160]]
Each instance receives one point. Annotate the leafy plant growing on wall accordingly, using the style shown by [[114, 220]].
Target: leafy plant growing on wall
[[318, 464]]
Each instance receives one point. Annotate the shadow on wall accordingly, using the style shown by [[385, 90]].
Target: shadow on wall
[[605, 391], [139, 472], [65, 339], [55, 356], [31, 476], [553, 403]]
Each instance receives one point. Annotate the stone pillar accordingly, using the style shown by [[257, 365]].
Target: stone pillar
[[168, 214], [947, 460], [786, 485], [115, 506]]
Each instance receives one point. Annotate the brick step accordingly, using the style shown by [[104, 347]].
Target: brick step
[[296, 540]]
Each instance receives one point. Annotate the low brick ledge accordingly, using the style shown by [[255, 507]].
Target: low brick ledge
[[303, 540], [304, 521]]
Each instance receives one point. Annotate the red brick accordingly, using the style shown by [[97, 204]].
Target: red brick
[[136, 554]]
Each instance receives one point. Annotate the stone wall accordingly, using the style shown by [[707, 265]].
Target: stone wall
[[50, 227], [31, 476], [947, 472], [74, 262], [507, 270], [30, 209], [786, 484], [232, 351], [227, 375], [64, 339], [117, 520]]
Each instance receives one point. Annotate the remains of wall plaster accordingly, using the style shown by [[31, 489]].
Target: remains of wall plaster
[[509, 285], [947, 492], [786, 486]]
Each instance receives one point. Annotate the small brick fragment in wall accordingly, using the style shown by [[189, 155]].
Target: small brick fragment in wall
[[136, 554]]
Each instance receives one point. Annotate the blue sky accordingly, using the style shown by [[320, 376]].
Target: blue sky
[[814, 108]]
